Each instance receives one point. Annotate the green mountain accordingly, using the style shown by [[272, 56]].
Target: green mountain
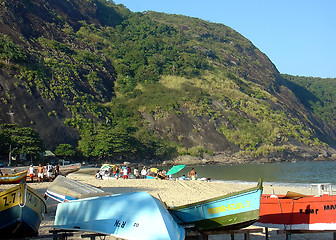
[[116, 84]]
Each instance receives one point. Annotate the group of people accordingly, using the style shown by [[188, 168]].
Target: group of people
[[49, 171], [156, 173], [125, 173], [116, 172]]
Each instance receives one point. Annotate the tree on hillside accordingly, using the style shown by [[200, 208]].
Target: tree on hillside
[[107, 141], [65, 150], [9, 51], [23, 139]]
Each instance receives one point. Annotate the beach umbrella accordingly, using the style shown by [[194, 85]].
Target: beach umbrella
[[107, 167], [154, 170], [175, 169]]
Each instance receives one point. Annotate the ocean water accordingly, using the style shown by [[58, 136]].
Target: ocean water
[[286, 173], [298, 173]]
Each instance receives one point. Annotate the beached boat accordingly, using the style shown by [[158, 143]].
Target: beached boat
[[295, 211], [21, 211], [13, 178], [64, 169], [135, 215], [71, 168], [64, 189], [231, 211]]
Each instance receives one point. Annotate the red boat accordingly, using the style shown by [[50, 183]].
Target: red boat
[[295, 211]]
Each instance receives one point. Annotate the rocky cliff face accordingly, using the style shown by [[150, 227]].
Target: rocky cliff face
[[24, 22], [31, 110]]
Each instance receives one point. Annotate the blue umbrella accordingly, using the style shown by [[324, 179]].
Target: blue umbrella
[[175, 169]]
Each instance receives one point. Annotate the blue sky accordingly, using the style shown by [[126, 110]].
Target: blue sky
[[299, 36]]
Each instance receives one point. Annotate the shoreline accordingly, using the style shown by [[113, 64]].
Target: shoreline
[[269, 187], [172, 192]]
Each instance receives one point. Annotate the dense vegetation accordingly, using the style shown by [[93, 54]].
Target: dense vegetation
[[320, 98], [20, 140], [110, 67]]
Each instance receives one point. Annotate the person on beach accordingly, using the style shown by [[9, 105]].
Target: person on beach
[[136, 173], [40, 172], [182, 178], [57, 170], [143, 172], [49, 171], [125, 171], [98, 175], [192, 174], [31, 172], [117, 172]]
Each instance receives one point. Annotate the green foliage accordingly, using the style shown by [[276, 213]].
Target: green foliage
[[149, 146], [196, 151], [4, 140], [259, 129], [24, 139], [317, 94], [107, 140], [121, 139], [65, 151], [9, 51]]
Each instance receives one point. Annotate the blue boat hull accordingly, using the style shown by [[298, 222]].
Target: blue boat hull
[[128, 216], [24, 222]]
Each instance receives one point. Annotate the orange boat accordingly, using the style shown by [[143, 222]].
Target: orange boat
[[295, 211]]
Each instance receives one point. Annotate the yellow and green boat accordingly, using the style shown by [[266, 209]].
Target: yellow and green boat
[[229, 212], [21, 211]]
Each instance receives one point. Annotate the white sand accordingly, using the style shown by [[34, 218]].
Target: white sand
[[173, 193]]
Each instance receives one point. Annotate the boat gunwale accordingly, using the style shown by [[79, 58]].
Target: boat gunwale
[[15, 174], [30, 189]]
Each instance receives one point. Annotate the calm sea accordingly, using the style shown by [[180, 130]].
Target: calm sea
[[296, 173], [301, 173]]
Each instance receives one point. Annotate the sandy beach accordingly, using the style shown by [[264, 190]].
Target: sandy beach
[[173, 193]]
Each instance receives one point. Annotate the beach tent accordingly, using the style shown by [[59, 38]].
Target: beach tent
[[108, 167]]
